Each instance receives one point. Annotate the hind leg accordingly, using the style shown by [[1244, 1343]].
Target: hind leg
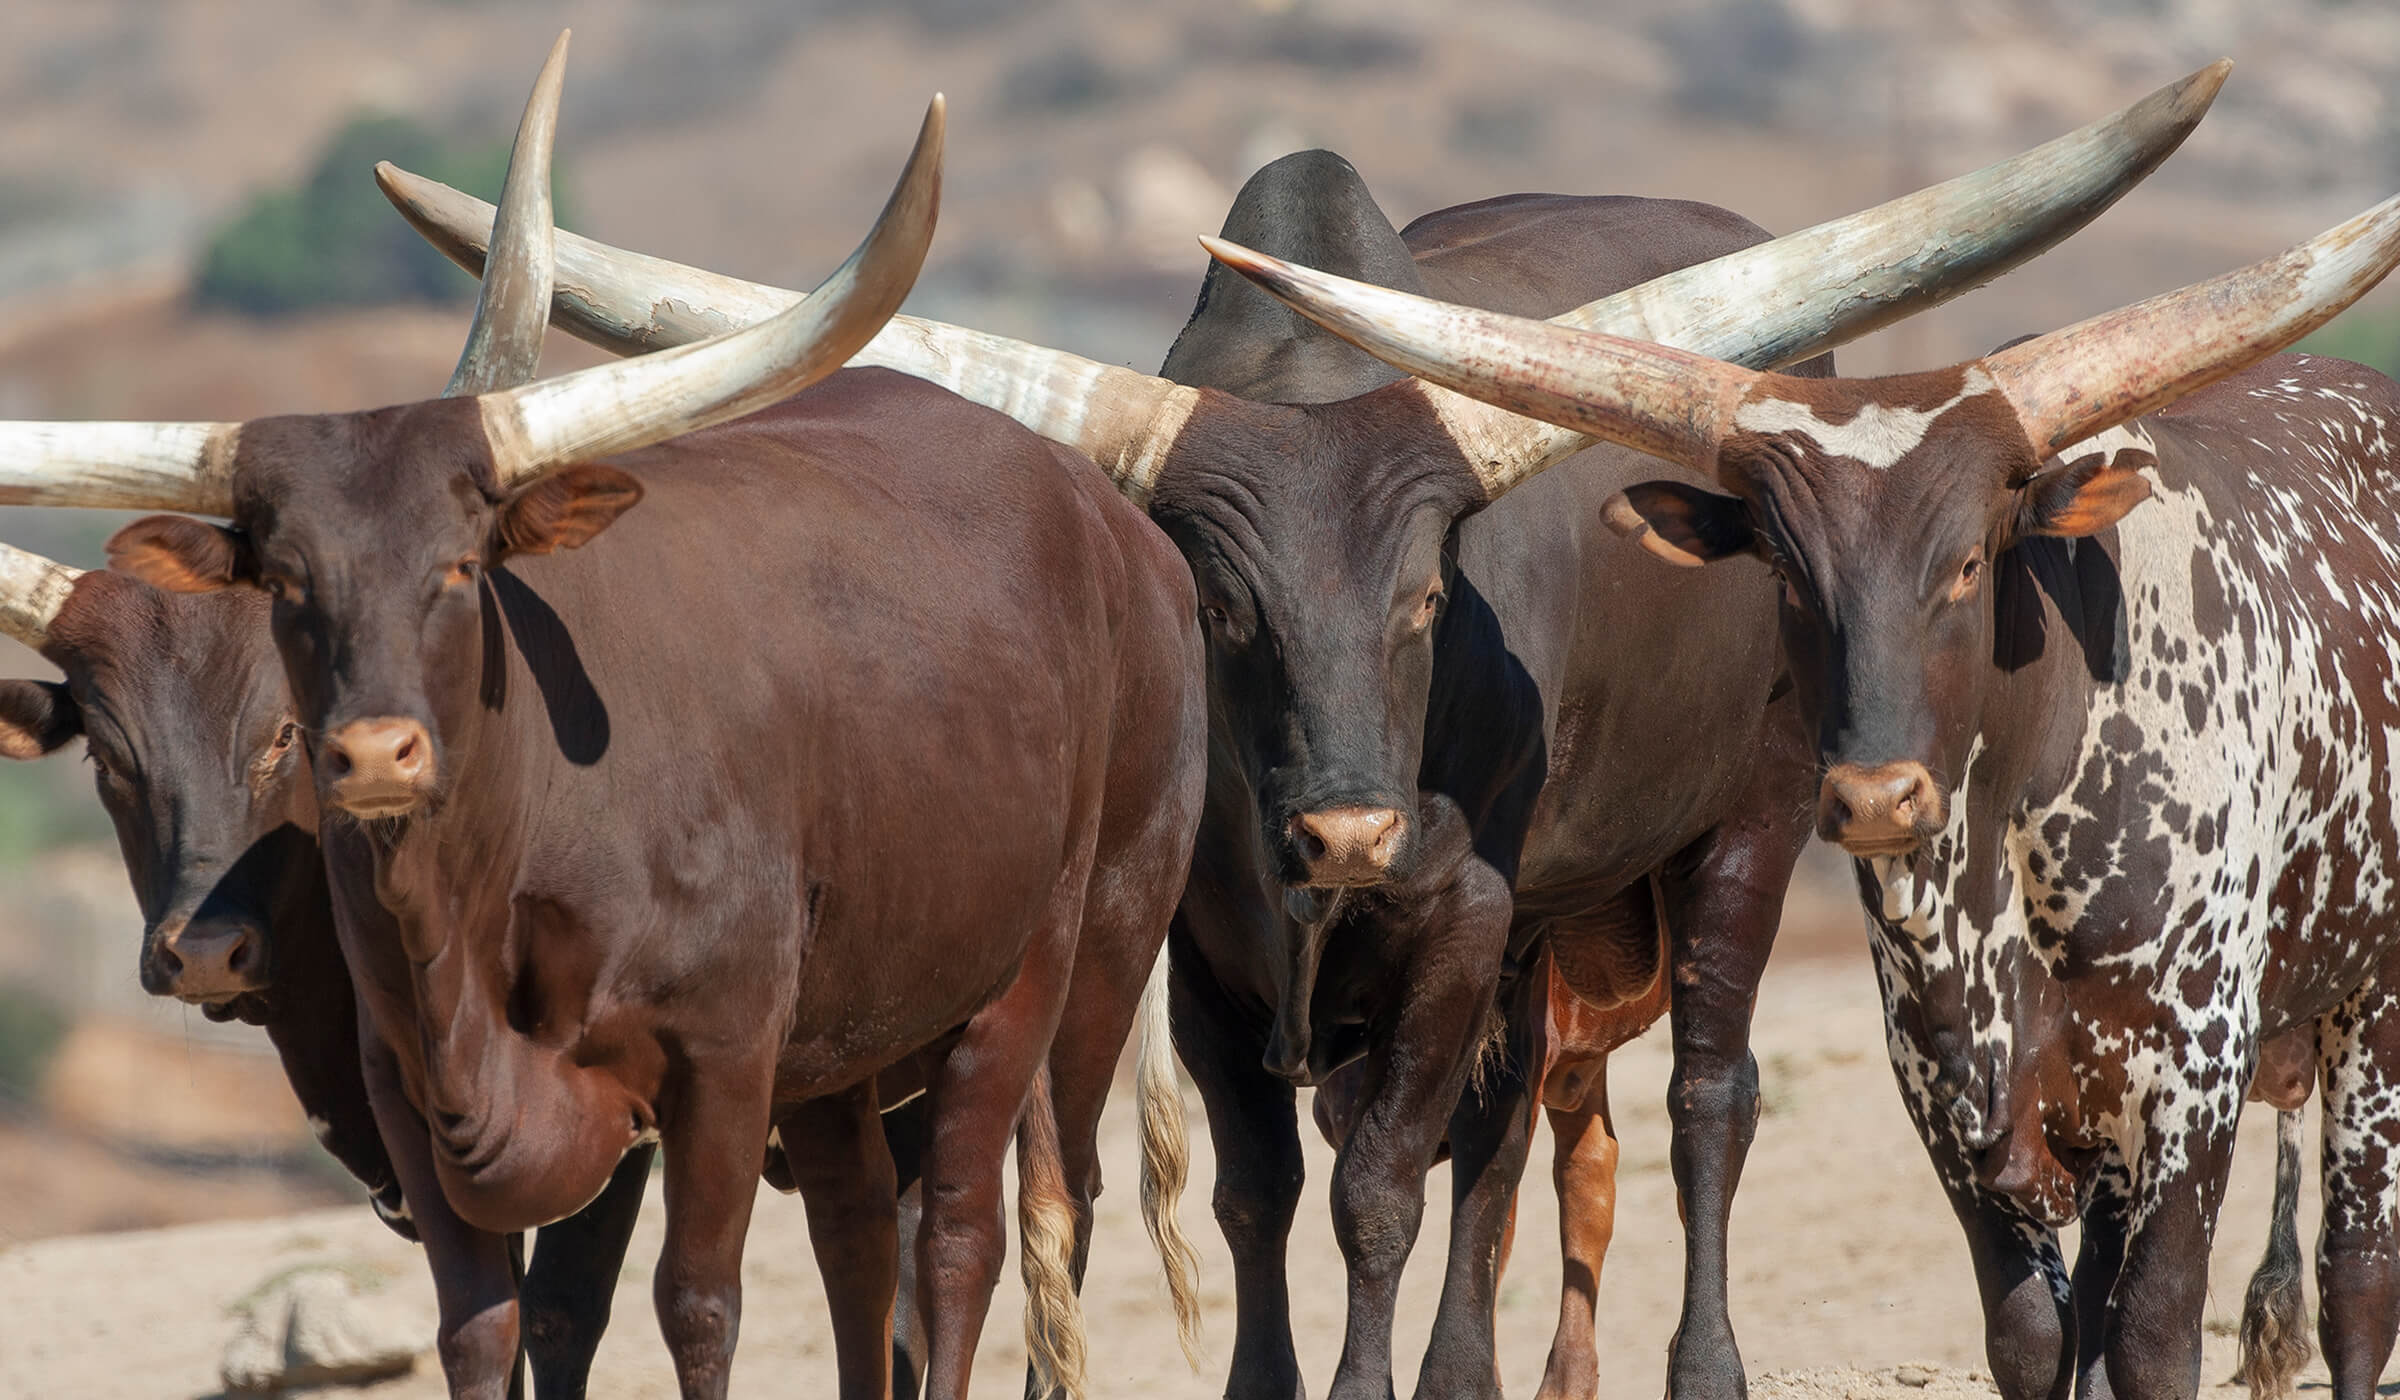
[[1491, 1133], [844, 1172], [1585, 1170], [2358, 1256], [906, 1130], [978, 1092]]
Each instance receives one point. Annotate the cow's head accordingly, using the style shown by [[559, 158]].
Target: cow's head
[[195, 752], [1316, 531], [1896, 510], [371, 532]]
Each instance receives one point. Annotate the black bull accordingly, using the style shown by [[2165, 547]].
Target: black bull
[[1542, 778]]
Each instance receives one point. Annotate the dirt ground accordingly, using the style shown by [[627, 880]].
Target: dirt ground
[[1849, 1276]]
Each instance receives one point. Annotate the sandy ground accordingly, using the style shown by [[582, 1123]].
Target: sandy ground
[[1849, 1276]]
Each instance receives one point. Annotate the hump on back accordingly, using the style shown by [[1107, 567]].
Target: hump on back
[[1542, 255], [1245, 342]]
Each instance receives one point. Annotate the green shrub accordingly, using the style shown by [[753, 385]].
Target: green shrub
[[332, 240]]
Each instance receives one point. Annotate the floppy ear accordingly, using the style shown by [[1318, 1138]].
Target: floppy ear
[[183, 555], [36, 717], [1681, 524], [2085, 496], [564, 509]]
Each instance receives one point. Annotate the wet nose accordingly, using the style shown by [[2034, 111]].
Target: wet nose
[[203, 963], [378, 767], [1347, 845], [1878, 811]]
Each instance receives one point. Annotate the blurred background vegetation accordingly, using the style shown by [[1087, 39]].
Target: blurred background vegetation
[[330, 238], [2366, 336]]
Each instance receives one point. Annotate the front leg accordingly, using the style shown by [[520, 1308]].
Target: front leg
[[567, 1294], [712, 1138], [1491, 1133], [1413, 1080], [2106, 1219], [1255, 1127], [1722, 900], [474, 1277], [2152, 1337]]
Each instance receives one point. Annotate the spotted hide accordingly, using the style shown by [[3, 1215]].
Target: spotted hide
[[2177, 798]]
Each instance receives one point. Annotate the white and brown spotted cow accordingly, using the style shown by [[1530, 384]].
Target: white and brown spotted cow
[[2118, 779]]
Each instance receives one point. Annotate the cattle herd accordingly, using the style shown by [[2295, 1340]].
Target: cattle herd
[[819, 773]]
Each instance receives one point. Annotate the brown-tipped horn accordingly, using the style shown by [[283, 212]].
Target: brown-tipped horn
[[32, 590], [2089, 377], [630, 303], [617, 408], [1666, 402], [1782, 301], [504, 345], [119, 466]]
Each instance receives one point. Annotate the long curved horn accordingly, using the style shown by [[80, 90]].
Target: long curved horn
[[615, 408], [1776, 303], [504, 345], [1764, 306], [119, 466], [632, 304], [32, 590], [1657, 399], [2093, 375]]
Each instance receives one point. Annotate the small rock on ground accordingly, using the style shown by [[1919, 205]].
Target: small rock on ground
[[312, 1328]]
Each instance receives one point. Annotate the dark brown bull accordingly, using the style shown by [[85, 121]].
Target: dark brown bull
[[607, 862], [2097, 637], [1428, 751], [196, 756]]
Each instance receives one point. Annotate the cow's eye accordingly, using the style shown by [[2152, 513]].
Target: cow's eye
[[1969, 574], [285, 737], [462, 572], [1426, 609], [1213, 615], [284, 588]]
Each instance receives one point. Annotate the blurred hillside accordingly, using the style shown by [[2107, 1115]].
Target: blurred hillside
[[1090, 140]]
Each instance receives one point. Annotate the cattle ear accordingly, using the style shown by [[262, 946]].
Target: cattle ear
[[36, 717], [2085, 496], [565, 508], [1681, 524], [183, 555]]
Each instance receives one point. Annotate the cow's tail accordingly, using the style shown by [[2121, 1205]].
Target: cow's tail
[[1046, 1224], [2274, 1314], [1166, 1159]]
